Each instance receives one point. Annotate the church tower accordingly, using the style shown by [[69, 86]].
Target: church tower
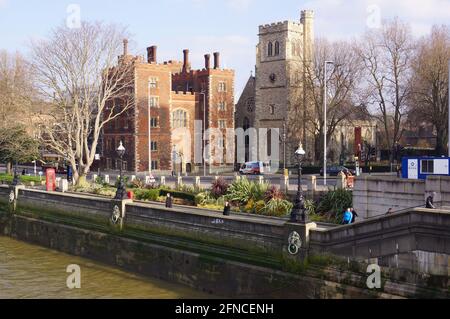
[[283, 50]]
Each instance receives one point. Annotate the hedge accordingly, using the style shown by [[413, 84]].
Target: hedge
[[179, 195]]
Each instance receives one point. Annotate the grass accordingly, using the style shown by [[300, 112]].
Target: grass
[[23, 178]]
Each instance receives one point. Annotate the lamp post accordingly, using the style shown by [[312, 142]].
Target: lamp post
[[325, 128], [121, 193], [299, 204]]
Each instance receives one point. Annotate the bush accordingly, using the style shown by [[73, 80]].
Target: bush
[[278, 207], [147, 194], [177, 194], [334, 203], [219, 187], [242, 191], [273, 193], [137, 183]]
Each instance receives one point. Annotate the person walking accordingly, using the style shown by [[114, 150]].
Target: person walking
[[390, 211], [430, 201], [348, 216], [169, 201], [227, 209], [354, 215]]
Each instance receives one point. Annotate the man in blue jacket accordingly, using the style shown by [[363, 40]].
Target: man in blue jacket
[[348, 216]]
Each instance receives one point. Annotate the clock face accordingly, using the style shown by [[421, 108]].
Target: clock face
[[250, 105], [273, 77]]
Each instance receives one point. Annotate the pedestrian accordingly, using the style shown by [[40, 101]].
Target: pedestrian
[[227, 209], [169, 201], [390, 211], [348, 216], [354, 215], [430, 201]]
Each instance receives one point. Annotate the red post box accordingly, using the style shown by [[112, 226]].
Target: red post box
[[131, 195], [50, 179]]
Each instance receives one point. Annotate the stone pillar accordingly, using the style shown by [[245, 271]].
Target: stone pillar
[[312, 183], [341, 181], [133, 178], [94, 178], [58, 183], [64, 185], [284, 184], [163, 181], [118, 213], [179, 182], [261, 179], [238, 178], [197, 182], [107, 179], [296, 240], [13, 197]]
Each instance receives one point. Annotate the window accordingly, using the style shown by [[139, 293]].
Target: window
[[153, 83], [246, 124], [154, 146], [154, 165], [222, 87], [272, 109], [222, 124], [126, 125], [221, 142], [427, 167], [270, 49], [124, 166], [179, 119], [154, 122], [108, 163], [153, 101], [277, 48], [221, 106]]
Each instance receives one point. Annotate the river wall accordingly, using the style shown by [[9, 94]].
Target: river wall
[[231, 256]]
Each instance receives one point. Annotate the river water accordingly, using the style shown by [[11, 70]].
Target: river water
[[28, 271]]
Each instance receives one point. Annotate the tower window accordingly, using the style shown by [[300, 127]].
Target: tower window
[[272, 109], [270, 49], [277, 48], [179, 119], [222, 87]]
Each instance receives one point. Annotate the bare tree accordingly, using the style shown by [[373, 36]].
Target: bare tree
[[387, 53], [79, 77], [342, 82], [429, 99]]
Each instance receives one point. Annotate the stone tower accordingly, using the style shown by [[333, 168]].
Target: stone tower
[[283, 50]]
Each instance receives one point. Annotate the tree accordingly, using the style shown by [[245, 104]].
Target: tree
[[16, 146], [387, 55], [342, 84], [78, 76], [17, 100], [429, 100]]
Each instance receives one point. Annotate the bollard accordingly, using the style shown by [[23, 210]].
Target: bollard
[[238, 178], [216, 178], [341, 181], [94, 178], [163, 181], [197, 182], [133, 178], [64, 185], [261, 179], [312, 183], [107, 179], [58, 183], [179, 182], [284, 184]]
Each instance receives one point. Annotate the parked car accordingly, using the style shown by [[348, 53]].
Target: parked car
[[252, 168], [335, 170]]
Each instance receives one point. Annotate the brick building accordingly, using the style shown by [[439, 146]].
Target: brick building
[[178, 99]]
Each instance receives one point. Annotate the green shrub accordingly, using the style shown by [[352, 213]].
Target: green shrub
[[278, 207], [334, 203], [177, 194], [147, 194], [243, 190]]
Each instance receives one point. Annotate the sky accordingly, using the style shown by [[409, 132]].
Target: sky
[[206, 26]]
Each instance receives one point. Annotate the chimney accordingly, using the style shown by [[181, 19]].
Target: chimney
[[207, 61], [186, 60], [125, 47], [216, 60], [151, 54]]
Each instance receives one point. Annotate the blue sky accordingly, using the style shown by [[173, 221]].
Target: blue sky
[[205, 26]]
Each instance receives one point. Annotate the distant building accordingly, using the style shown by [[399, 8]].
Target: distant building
[[176, 97]]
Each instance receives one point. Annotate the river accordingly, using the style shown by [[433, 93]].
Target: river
[[28, 271]]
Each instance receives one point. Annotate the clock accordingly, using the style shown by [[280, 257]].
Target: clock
[[273, 77]]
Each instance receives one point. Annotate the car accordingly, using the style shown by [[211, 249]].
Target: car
[[252, 168], [335, 170]]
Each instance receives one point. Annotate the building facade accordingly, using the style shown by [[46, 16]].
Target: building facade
[[163, 130]]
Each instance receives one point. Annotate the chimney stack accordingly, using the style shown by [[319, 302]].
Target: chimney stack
[[207, 61], [186, 60], [216, 60], [125, 47], [151, 54]]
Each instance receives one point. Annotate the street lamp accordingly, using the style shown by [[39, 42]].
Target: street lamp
[[299, 204], [121, 193], [325, 129]]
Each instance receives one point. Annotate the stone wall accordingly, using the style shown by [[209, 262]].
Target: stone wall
[[374, 195]]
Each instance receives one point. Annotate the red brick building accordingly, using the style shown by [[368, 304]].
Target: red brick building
[[178, 99]]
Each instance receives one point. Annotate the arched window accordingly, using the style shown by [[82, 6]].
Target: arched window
[[179, 119], [277, 48], [270, 49]]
